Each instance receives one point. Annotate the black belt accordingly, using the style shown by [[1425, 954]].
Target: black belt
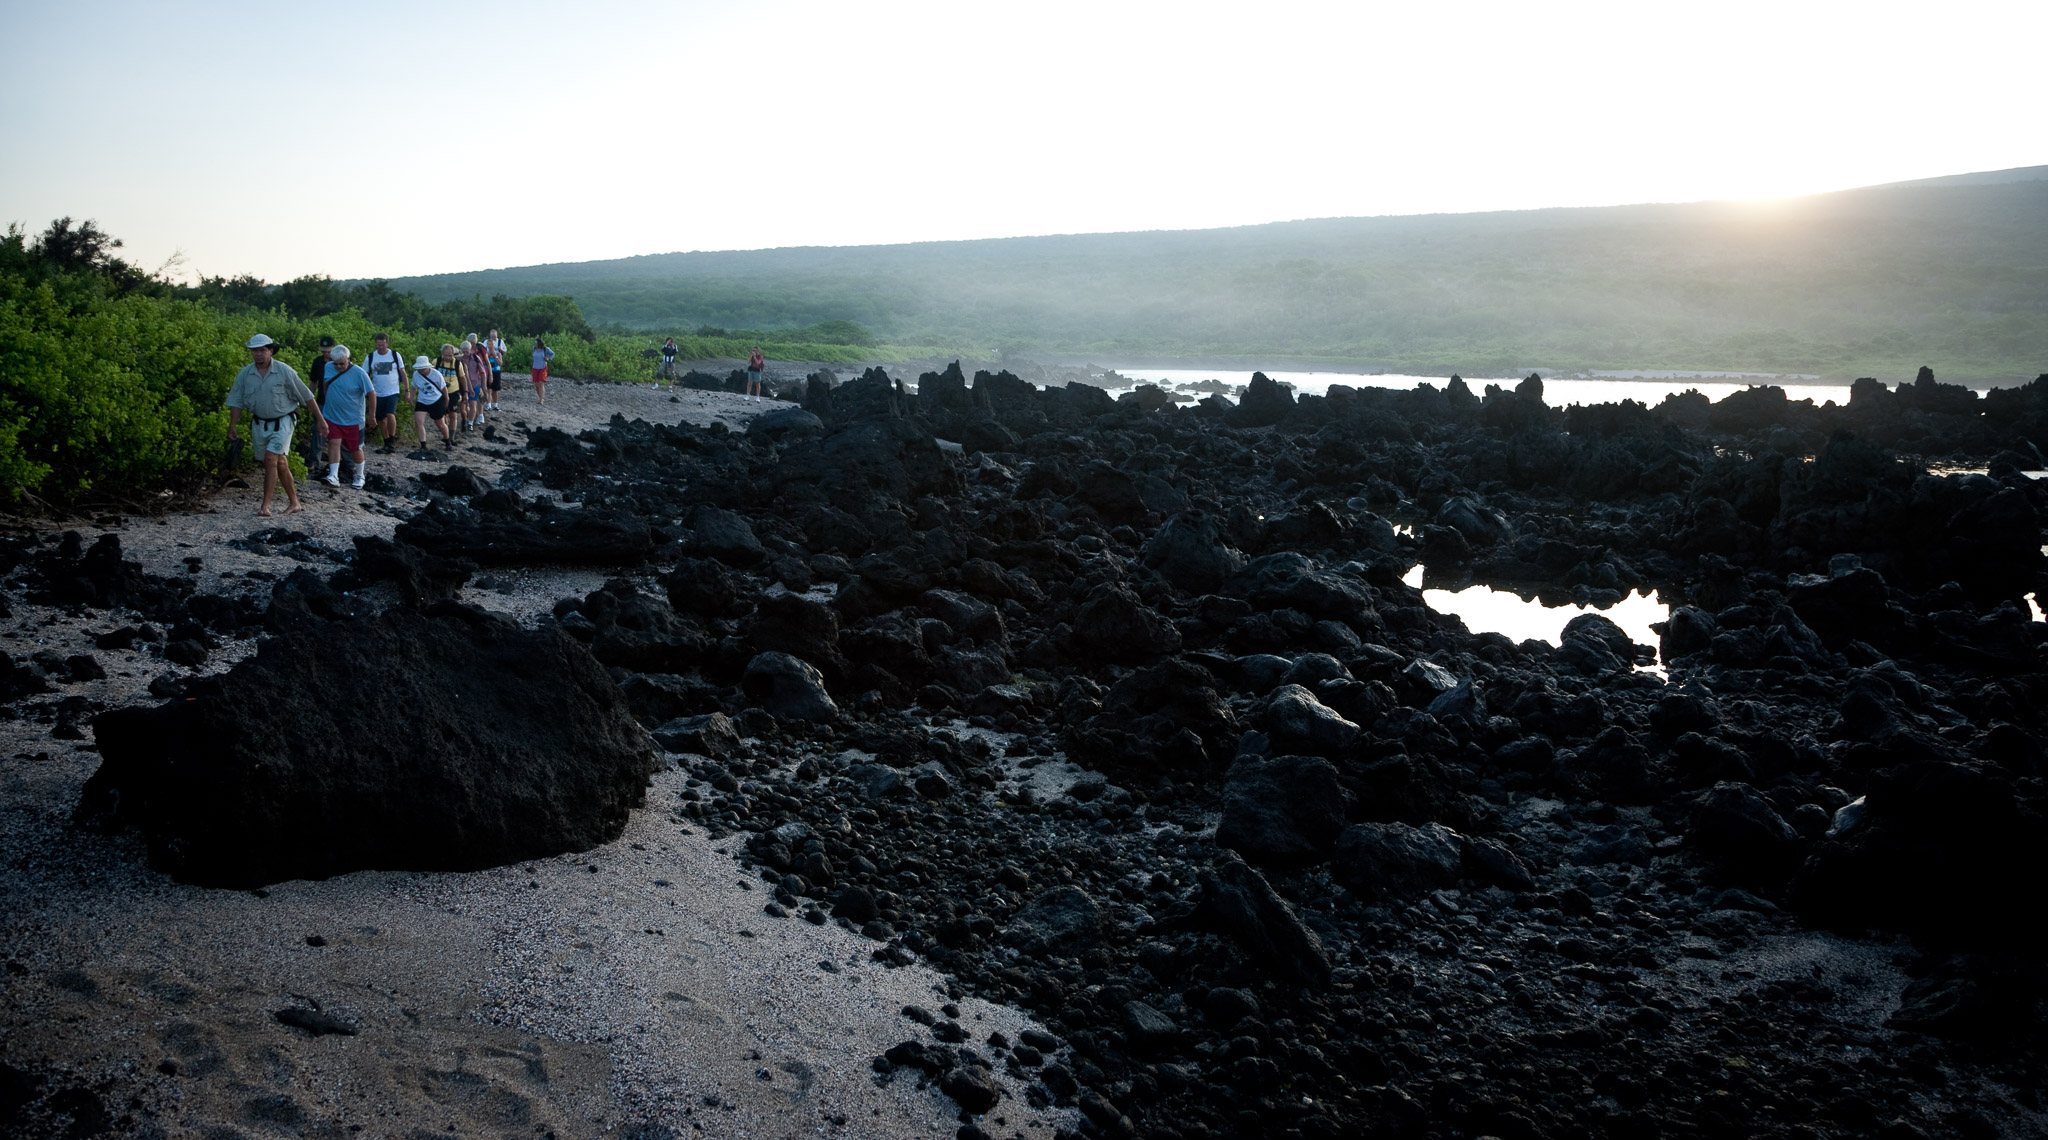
[[271, 425]]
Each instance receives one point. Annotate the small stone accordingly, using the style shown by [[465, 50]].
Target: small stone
[[971, 1087]]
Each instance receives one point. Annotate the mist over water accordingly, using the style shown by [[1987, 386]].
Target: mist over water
[[1557, 392]]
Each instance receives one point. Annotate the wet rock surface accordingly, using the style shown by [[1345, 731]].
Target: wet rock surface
[[1125, 715]]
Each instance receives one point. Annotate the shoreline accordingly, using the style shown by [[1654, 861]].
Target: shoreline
[[533, 996]]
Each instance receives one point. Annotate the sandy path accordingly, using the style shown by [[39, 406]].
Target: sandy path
[[637, 990]]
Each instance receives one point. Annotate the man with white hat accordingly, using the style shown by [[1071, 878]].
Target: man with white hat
[[272, 394], [345, 410], [429, 400]]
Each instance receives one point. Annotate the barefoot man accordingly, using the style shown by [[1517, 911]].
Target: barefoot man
[[272, 394]]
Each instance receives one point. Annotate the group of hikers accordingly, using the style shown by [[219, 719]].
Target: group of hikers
[[456, 393]]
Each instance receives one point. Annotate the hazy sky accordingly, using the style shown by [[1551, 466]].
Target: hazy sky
[[386, 139]]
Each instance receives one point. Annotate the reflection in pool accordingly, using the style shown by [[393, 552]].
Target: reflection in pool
[[1484, 609]]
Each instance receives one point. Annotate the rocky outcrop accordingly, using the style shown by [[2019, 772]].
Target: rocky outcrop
[[274, 774]]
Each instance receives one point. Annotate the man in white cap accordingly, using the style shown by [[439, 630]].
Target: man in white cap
[[429, 401], [344, 412], [272, 394]]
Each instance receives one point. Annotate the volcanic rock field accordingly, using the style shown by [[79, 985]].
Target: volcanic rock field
[[1122, 715]]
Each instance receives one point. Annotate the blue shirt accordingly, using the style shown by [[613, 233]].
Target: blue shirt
[[541, 356], [345, 393]]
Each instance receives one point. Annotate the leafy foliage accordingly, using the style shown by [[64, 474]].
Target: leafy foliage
[[111, 379]]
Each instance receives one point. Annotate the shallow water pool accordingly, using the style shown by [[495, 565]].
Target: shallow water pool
[[1486, 609]]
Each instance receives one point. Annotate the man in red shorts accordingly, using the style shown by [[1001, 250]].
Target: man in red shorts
[[346, 409]]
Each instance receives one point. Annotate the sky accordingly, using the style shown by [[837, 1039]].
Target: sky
[[375, 139]]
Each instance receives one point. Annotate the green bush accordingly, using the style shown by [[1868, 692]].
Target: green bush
[[112, 381], [121, 394]]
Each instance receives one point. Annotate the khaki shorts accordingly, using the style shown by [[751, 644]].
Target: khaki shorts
[[277, 440]]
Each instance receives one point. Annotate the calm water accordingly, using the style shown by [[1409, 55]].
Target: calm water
[[1556, 392], [1484, 609]]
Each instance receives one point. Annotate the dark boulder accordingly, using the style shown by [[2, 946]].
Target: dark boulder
[[1265, 403], [965, 615], [1166, 716], [1491, 862], [1058, 920], [421, 577], [290, 768], [588, 537], [1286, 811], [1239, 902], [1114, 625], [1298, 722], [1480, 524], [788, 688], [1191, 552], [1596, 646], [796, 624], [784, 423], [1397, 860], [972, 1087], [725, 536], [458, 480], [1687, 631], [1948, 852], [702, 587], [707, 734], [640, 632], [1733, 822]]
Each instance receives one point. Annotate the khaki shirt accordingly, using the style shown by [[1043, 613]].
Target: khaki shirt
[[269, 396]]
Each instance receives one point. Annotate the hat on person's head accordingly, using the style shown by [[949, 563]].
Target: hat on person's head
[[260, 341], [326, 342], [338, 353], [422, 362]]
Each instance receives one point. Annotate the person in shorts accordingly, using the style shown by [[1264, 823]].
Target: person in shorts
[[755, 366], [450, 369], [316, 378], [541, 355], [476, 381], [387, 371], [668, 362], [429, 390], [494, 353], [350, 399], [272, 394]]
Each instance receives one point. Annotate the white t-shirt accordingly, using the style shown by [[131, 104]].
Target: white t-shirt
[[385, 369], [427, 386]]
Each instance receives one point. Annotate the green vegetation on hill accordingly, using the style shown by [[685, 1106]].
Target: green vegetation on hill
[[111, 379], [1864, 282]]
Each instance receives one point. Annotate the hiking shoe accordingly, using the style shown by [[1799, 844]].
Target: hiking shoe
[[358, 484], [331, 481], [448, 444]]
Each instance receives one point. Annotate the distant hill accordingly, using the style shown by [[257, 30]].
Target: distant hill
[[1950, 272]]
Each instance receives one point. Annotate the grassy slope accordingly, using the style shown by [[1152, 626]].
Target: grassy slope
[[1874, 281]]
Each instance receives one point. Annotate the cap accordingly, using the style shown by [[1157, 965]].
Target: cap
[[326, 342], [260, 341], [422, 362]]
